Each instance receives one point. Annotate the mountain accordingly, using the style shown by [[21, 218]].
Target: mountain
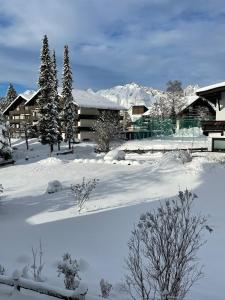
[[132, 94]]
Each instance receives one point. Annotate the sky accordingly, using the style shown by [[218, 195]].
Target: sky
[[114, 42]]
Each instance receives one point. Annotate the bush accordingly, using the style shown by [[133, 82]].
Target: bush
[[185, 156], [105, 288], [54, 187], [6, 153], [70, 269], [162, 261], [2, 270], [82, 191]]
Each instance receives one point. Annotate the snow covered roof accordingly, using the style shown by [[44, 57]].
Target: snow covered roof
[[211, 87], [27, 96], [190, 100], [90, 99]]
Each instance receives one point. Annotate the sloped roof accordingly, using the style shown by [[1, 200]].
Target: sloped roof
[[190, 100], [211, 87], [27, 96], [90, 99]]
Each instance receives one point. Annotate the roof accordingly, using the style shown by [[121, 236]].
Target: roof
[[218, 86], [81, 98], [190, 100], [90, 99], [27, 96]]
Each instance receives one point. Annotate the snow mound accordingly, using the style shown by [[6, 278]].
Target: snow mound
[[115, 154], [50, 161], [54, 187], [189, 132], [175, 157]]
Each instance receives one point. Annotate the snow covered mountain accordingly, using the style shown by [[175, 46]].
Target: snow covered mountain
[[132, 94]]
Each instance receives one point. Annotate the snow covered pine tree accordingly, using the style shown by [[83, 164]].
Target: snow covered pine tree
[[57, 99], [69, 107], [48, 125]]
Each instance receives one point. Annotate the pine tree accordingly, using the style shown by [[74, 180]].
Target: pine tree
[[11, 95], [48, 125], [56, 98], [69, 107]]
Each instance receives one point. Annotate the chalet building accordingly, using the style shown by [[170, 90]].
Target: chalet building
[[215, 129], [197, 110], [24, 110]]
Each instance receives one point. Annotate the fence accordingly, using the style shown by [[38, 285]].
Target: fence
[[43, 288]]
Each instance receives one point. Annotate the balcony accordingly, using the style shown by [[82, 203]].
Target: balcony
[[213, 126]]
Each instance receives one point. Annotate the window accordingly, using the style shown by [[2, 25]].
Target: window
[[218, 144]]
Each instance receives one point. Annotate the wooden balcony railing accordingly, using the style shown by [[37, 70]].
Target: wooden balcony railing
[[213, 126]]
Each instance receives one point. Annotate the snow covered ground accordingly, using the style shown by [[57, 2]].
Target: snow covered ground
[[98, 236]]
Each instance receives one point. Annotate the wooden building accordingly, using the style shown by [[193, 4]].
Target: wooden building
[[24, 110], [196, 111], [215, 94]]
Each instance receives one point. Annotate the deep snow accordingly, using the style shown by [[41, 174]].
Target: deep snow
[[98, 235]]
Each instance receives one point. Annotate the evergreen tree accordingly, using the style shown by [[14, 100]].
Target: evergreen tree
[[56, 98], [69, 107], [11, 95], [48, 125]]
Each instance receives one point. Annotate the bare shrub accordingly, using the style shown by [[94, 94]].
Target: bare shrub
[[1, 189], [162, 261], [105, 288], [70, 269], [38, 265], [83, 191], [2, 270], [107, 127]]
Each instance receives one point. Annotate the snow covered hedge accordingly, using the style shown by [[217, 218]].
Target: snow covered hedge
[[115, 155], [5, 150]]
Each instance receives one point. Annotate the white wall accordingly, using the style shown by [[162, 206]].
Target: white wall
[[220, 114]]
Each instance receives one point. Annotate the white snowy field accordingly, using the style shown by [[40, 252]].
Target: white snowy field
[[98, 236]]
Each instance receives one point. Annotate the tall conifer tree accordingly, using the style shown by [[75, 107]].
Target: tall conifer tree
[[56, 98], [69, 107], [11, 94], [48, 126]]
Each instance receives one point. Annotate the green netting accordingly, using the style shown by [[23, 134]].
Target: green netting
[[148, 126]]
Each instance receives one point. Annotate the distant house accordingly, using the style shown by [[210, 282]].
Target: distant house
[[215, 94], [197, 110], [24, 109]]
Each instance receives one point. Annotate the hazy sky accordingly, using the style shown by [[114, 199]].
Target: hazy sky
[[115, 41]]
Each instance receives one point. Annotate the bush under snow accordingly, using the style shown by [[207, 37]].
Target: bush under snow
[[115, 155], [105, 288], [54, 187], [70, 269]]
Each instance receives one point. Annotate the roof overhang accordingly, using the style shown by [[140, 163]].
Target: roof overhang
[[211, 93]]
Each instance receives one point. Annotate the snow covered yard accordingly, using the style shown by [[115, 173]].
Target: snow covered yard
[[98, 236]]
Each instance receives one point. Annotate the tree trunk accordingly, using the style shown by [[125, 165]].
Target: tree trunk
[[26, 138], [58, 146], [69, 143], [51, 149]]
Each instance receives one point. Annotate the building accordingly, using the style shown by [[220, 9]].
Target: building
[[197, 110], [89, 106], [24, 110], [215, 129]]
